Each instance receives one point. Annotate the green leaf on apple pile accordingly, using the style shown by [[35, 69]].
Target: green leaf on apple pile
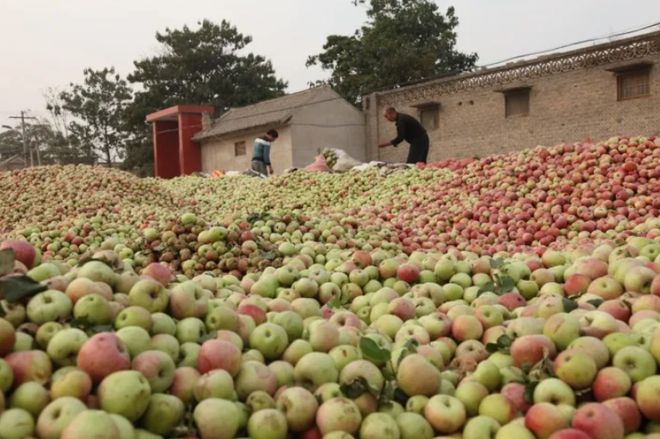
[[400, 396], [15, 288], [271, 256], [488, 287], [372, 352], [355, 389], [208, 336], [6, 261], [529, 391], [409, 347], [505, 284], [502, 344], [569, 305], [335, 302], [88, 327], [496, 263], [595, 302]]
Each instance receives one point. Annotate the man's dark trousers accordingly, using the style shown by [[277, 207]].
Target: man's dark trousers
[[419, 150]]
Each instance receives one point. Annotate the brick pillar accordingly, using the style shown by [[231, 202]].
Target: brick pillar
[[166, 148], [190, 153]]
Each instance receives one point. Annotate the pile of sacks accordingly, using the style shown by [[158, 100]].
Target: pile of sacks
[[333, 160], [337, 160]]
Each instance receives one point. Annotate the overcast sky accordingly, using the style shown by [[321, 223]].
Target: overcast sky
[[48, 43]]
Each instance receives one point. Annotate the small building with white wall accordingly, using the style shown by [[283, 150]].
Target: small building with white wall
[[307, 122]]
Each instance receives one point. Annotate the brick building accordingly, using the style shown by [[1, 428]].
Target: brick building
[[307, 122], [594, 92]]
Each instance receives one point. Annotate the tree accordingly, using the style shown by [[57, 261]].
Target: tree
[[63, 147], [206, 65], [41, 142], [96, 107], [402, 41], [11, 143]]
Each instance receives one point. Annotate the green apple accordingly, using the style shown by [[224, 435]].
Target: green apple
[[161, 324], [379, 426], [514, 431], [481, 427], [414, 426], [217, 383], [470, 393], [299, 407], [64, 346], [315, 369], [562, 329], [164, 412], [222, 317], [498, 407], [259, 400], [267, 424], [70, 381], [253, 376], [98, 272], [291, 322], [338, 414], [157, 367], [93, 308], [125, 393], [554, 391], [134, 316], [217, 418], [54, 418], [576, 368], [488, 374], [31, 397], [445, 413], [190, 329], [135, 338], [46, 332], [270, 339], [296, 350], [166, 343], [49, 306], [126, 429], [16, 424], [636, 361], [149, 294]]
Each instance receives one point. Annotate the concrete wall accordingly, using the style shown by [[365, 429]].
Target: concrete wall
[[564, 107], [331, 123], [219, 153]]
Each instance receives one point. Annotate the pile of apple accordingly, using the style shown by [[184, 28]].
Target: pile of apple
[[532, 200], [335, 343], [512, 297]]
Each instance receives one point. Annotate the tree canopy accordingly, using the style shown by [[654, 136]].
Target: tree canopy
[[402, 41], [207, 65], [96, 107]]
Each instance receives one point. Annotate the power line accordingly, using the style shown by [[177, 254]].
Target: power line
[[590, 40]]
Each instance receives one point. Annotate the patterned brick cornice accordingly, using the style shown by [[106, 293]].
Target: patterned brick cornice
[[603, 54]]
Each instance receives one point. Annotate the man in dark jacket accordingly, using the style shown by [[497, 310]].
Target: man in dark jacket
[[410, 130], [261, 153]]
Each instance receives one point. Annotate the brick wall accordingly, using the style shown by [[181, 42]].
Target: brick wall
[[564, 107]]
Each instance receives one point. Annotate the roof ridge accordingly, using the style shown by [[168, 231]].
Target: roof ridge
[[307, 90]]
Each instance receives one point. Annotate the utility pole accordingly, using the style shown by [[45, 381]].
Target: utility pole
[[22, 117]]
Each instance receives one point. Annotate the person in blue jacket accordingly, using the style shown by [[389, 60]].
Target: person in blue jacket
[[261, 153]]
